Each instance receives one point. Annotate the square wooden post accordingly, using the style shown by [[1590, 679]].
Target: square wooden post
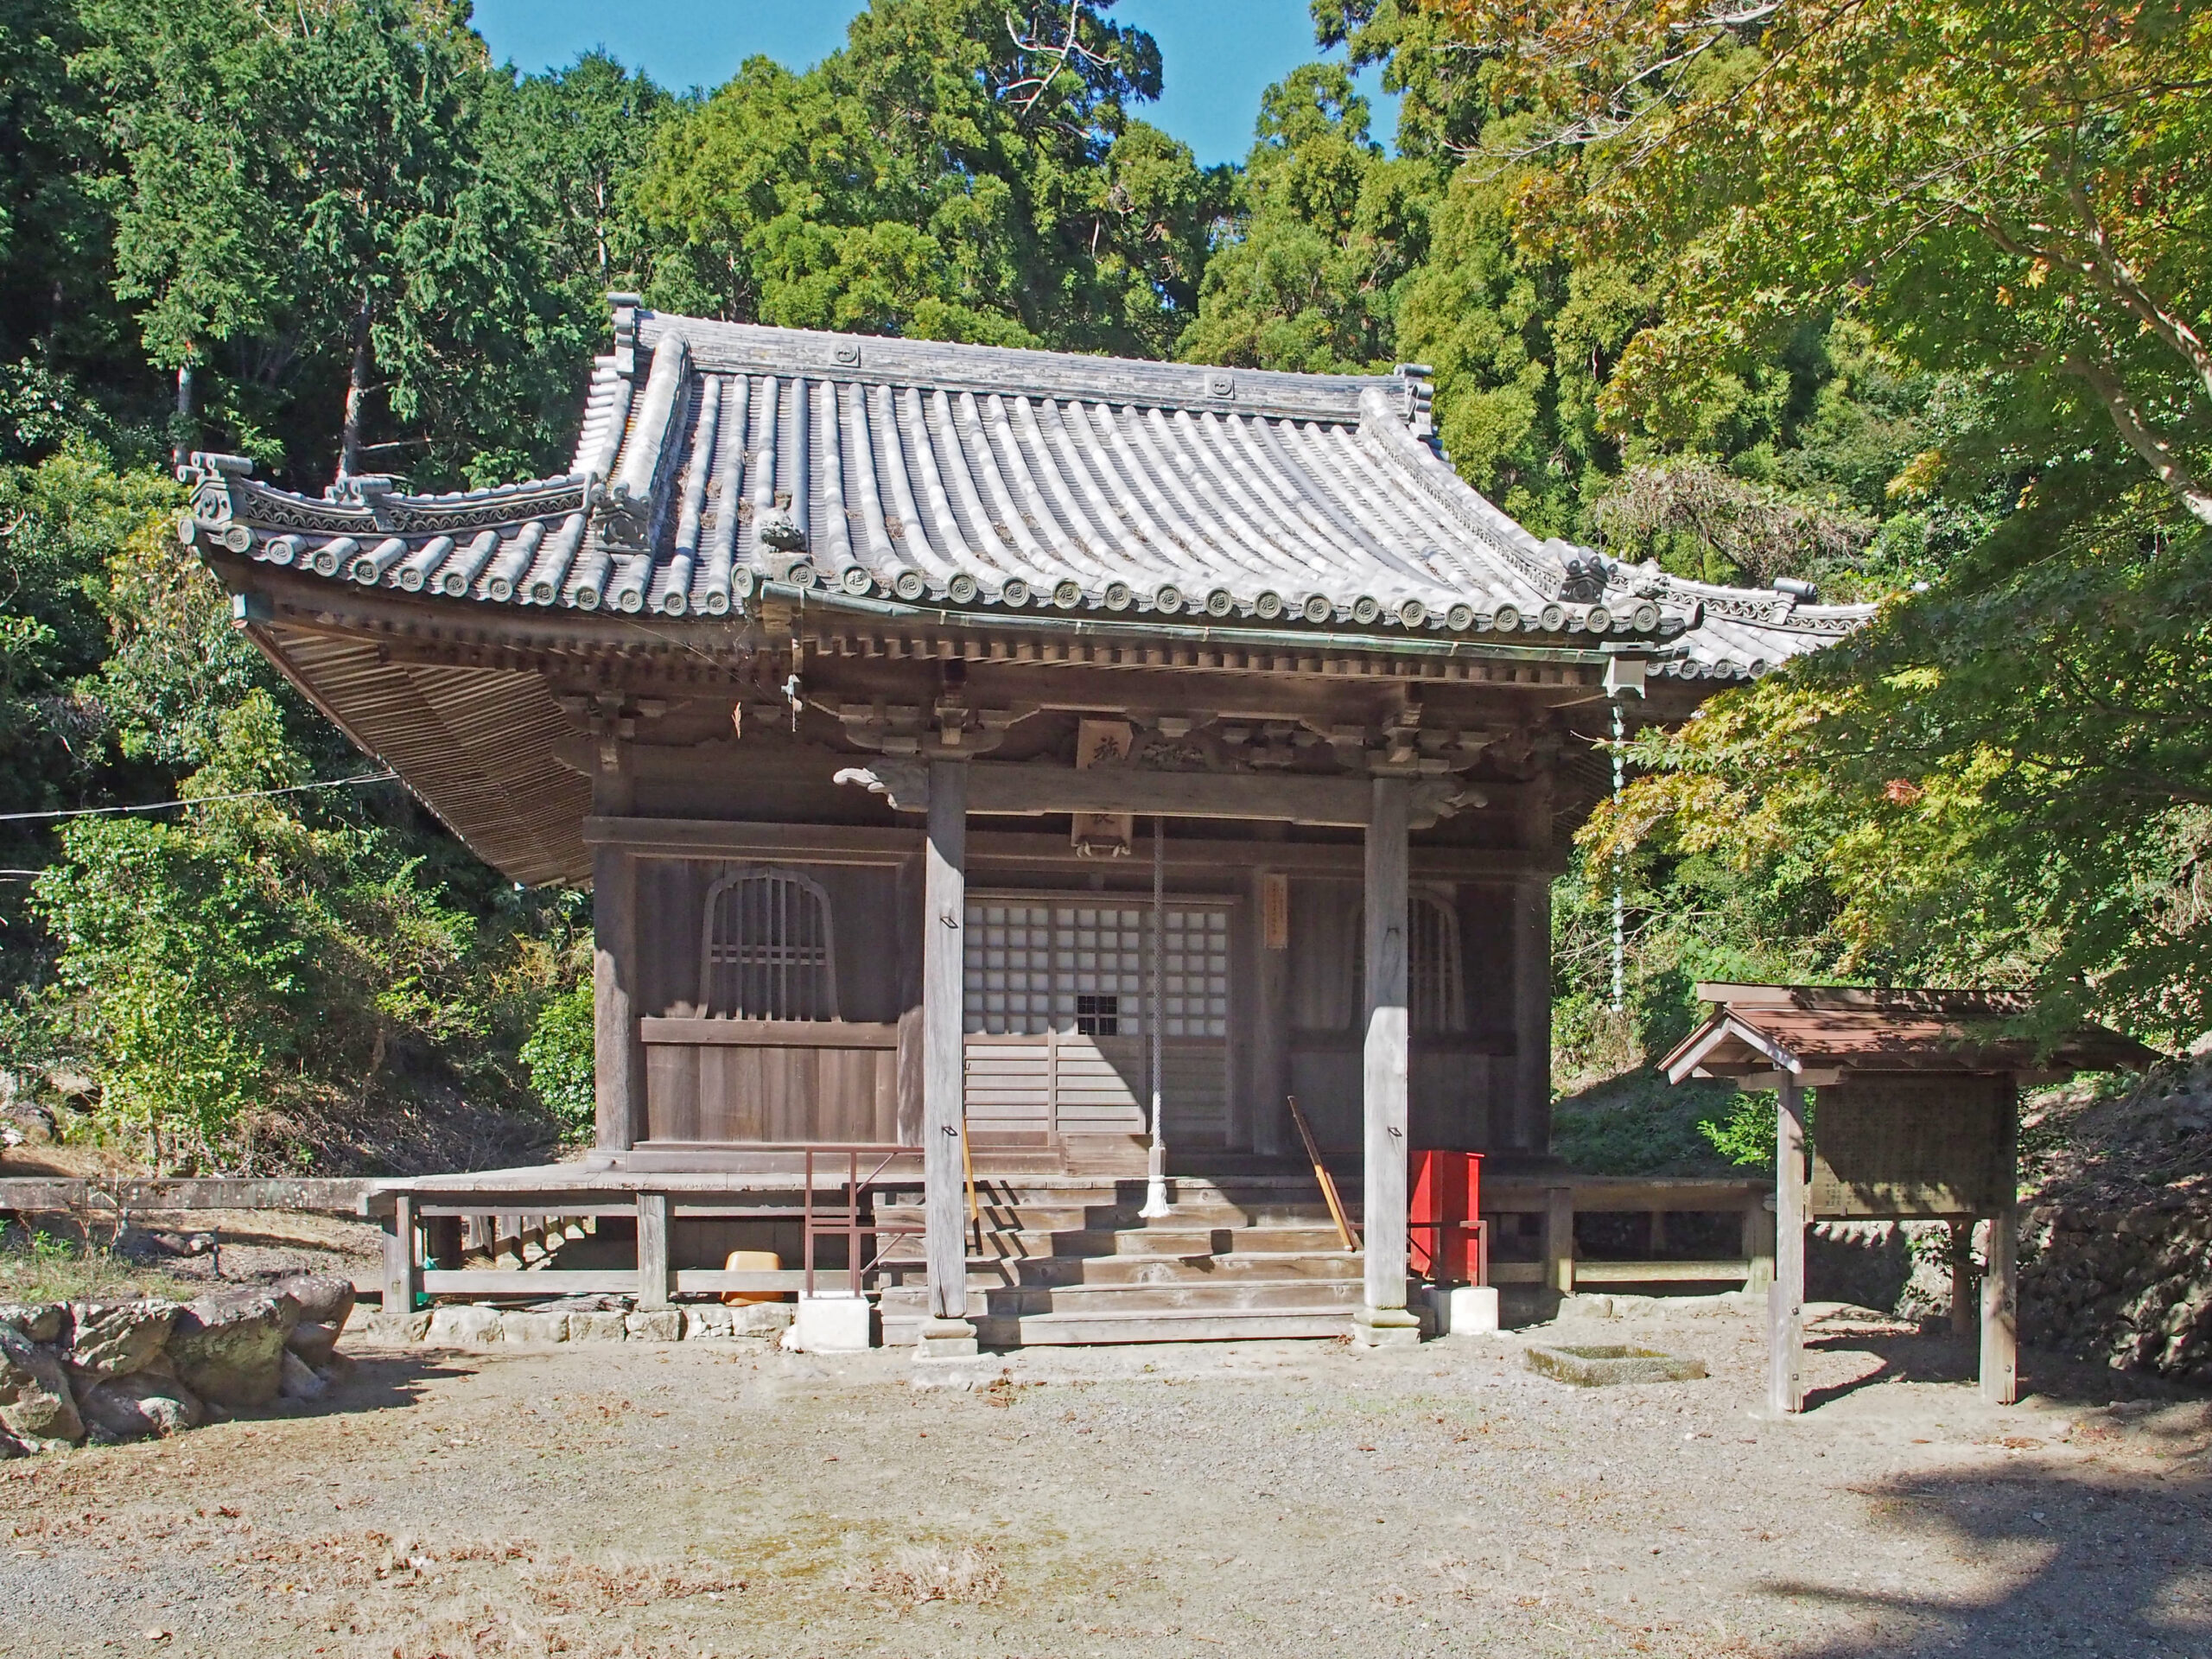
[[1558, 1240], [1963, 1298], [617, 1042], [1530, 1114], [1385, 1318], [1270, 1044], [403, 1277], [1785, 1299], [947, 1333], [2000, 1279], [1758, 1244], [653, 1277]]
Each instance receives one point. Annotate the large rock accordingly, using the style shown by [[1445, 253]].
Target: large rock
[[116, 1338], [229, 1347], [39, 1321], [465, 1325], [313, 1342], [318, 1298], [298, 1380], [35, 1404], [655, 1325], [534, 1327], [142, 1405]]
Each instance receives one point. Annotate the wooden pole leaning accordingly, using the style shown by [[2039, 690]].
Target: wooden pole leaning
[[1785, 1304], [1384, 1319], [947, 1333]]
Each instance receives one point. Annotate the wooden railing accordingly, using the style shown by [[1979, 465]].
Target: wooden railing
[[1560, 1268], [431, 1222]]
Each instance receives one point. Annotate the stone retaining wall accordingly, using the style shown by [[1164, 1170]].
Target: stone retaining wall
[[111, 1371], [2132, 1287], [472, 1325]]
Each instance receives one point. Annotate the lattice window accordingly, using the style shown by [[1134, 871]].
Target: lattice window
[[1436, 995], [767, 953], [1435, 987], [1087, 969]]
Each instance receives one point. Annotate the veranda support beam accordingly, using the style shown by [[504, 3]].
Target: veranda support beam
[[1005, 789], [947, 1333], [1385, 1319], [1785, 1305]]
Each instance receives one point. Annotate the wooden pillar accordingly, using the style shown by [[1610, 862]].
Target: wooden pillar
[[1785, 1299], [402, 1278], [442, 1242], [1270, 1050], [617, 1042], [1559, 1239], [2000, 1279], [946, 1333], [912, 906], [1532, 1014], [1385, 1319], [1963, 1300], [1758, 1244], [653, 1277]]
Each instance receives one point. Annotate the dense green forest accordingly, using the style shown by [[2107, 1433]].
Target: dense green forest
[[1907, 300]]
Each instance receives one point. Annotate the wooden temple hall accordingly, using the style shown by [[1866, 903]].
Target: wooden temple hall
[[965, 746]]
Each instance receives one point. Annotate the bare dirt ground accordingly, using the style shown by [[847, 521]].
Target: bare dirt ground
[[1257, 1499]]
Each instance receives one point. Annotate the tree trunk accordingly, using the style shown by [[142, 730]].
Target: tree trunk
[[357, 393]]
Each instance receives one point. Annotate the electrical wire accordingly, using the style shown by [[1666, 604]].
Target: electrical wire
[[203, 800]]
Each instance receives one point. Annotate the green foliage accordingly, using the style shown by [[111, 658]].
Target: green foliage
[[1746, 1136], [937, 178], [559, 1054]]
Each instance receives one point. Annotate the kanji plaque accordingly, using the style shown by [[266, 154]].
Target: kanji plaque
[[1895, 1147]]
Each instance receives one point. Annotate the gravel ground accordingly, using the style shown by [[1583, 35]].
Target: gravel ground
[[1253, 1499]]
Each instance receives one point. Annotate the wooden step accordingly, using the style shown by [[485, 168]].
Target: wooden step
[[1315, 1319]]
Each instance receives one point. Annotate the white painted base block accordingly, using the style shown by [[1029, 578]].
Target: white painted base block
[[828, 1325], [1467, 1311]]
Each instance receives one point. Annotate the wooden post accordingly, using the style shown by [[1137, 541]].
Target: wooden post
[[442, 1241], [1385, 1318], [1272, 1083], [1559, 1239], [1758, 1244], [403, 1279], [617, 1043], [912, 907], [1656, 1237], [946, 1333], [1531, 1117], [653, 1277], [2000, 1286], [1963, 1300], [1785, 1303]]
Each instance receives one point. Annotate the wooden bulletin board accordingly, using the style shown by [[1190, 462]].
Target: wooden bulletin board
[[1899, 1148]]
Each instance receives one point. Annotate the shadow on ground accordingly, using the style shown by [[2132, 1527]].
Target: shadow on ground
[[2108, 1560]]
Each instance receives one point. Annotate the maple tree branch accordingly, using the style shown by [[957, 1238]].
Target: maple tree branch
[[2098, 374]]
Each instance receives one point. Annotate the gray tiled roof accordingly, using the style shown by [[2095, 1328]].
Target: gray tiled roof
[[717, 457]]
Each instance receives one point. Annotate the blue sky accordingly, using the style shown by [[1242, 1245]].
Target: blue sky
[[1218, 54]]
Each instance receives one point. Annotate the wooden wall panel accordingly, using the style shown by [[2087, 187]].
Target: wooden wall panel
[[740, 1082]]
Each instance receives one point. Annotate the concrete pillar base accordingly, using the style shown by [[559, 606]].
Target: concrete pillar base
[[945, 1339], [1466, 1310], [1385, 1328], [830, 1324]]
